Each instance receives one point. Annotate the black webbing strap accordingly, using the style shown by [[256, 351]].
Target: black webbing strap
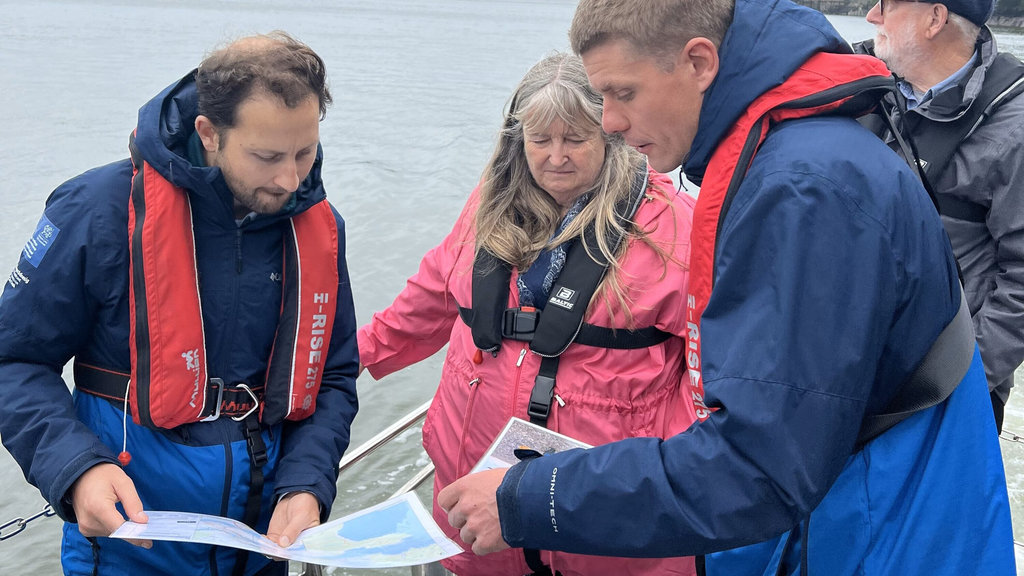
[[257, 459], [934, 379], [221, 399], [516, 325], [601, 337], [535, 563], [907, 148], [109, 384], [543, 391], [962, 209]]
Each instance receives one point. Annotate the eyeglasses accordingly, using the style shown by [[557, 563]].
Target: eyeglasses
[[882, 3]]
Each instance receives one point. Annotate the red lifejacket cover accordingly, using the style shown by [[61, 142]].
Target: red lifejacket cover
[[169, 375], [803, 94]]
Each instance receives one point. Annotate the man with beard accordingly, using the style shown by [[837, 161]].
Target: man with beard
[[959, 104], [201, 289]]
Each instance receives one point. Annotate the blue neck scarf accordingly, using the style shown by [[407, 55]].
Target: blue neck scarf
[[535, 282]]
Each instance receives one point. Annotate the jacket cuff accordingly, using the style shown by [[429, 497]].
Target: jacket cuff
[[316, 489], [59, 496], [507, 499]]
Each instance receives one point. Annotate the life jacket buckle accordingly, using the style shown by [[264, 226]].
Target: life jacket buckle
[[218, 385], [520, 323], [540, 399], [255, 403]]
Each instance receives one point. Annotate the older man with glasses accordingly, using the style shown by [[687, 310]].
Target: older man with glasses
[[959, 103]]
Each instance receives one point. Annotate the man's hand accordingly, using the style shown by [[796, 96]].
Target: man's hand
[[94, 497], [472, 507], [293, 514]]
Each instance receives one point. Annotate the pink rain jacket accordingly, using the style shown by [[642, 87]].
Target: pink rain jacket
[[601, 395]]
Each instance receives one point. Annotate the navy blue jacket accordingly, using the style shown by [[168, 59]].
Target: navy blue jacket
[[832, 279], [68, 298]]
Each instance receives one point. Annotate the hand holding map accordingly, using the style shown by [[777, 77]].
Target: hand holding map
[[396, 532]]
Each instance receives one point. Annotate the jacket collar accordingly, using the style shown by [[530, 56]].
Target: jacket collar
[[953, 102], [765, 43]]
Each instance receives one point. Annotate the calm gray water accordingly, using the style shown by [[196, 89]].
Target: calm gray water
[[419, 90]]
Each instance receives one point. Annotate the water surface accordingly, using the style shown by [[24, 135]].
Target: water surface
[[419, 92]]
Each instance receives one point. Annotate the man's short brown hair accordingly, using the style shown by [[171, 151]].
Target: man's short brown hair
[[274, 64], [656, 28]]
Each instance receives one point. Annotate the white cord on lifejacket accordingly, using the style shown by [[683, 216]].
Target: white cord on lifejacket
[[124, 457]]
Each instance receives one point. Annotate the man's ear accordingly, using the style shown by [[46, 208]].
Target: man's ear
[[700, 57], [207, 133], [938, 16]]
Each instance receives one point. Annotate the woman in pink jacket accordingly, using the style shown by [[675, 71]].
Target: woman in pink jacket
[[555, 182]]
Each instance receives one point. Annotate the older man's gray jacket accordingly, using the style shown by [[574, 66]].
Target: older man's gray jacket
[[987, 169]]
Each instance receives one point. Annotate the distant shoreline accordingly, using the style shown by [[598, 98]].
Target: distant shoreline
[[1004, 23], [1001, 23]]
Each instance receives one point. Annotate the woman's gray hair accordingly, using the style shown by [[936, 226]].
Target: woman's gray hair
[[516, 218]]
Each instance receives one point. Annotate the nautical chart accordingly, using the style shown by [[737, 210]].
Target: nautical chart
[[396, 532], [519, 434]]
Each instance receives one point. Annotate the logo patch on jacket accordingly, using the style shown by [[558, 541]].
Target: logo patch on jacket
[[564, 298], [17, 278], [40, 242]]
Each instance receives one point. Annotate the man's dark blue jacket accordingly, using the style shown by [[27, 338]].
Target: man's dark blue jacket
[[832, 279], [68, 298]]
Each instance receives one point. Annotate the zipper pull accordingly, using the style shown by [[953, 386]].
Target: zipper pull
[[522, 354], [560, 401], [478, 356]]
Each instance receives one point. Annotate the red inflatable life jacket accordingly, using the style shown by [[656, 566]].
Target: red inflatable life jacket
[[825, 84], [169, 378]]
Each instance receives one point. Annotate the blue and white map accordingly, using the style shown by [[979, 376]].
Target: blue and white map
[[396, 532]]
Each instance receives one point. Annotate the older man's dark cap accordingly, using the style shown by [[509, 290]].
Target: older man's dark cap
[[977, 11]]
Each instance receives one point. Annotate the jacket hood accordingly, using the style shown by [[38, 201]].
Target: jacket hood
[[165, 125], [766, 42]]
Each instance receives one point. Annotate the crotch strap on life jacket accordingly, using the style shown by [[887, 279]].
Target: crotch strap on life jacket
[[561, 323], [169, 383]]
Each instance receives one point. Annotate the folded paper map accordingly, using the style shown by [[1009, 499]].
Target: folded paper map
[[518, 434], [396, 532]]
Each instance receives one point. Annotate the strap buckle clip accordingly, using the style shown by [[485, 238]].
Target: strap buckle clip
[[540, 398], [519, 323], [255, 403], [218, 385]]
